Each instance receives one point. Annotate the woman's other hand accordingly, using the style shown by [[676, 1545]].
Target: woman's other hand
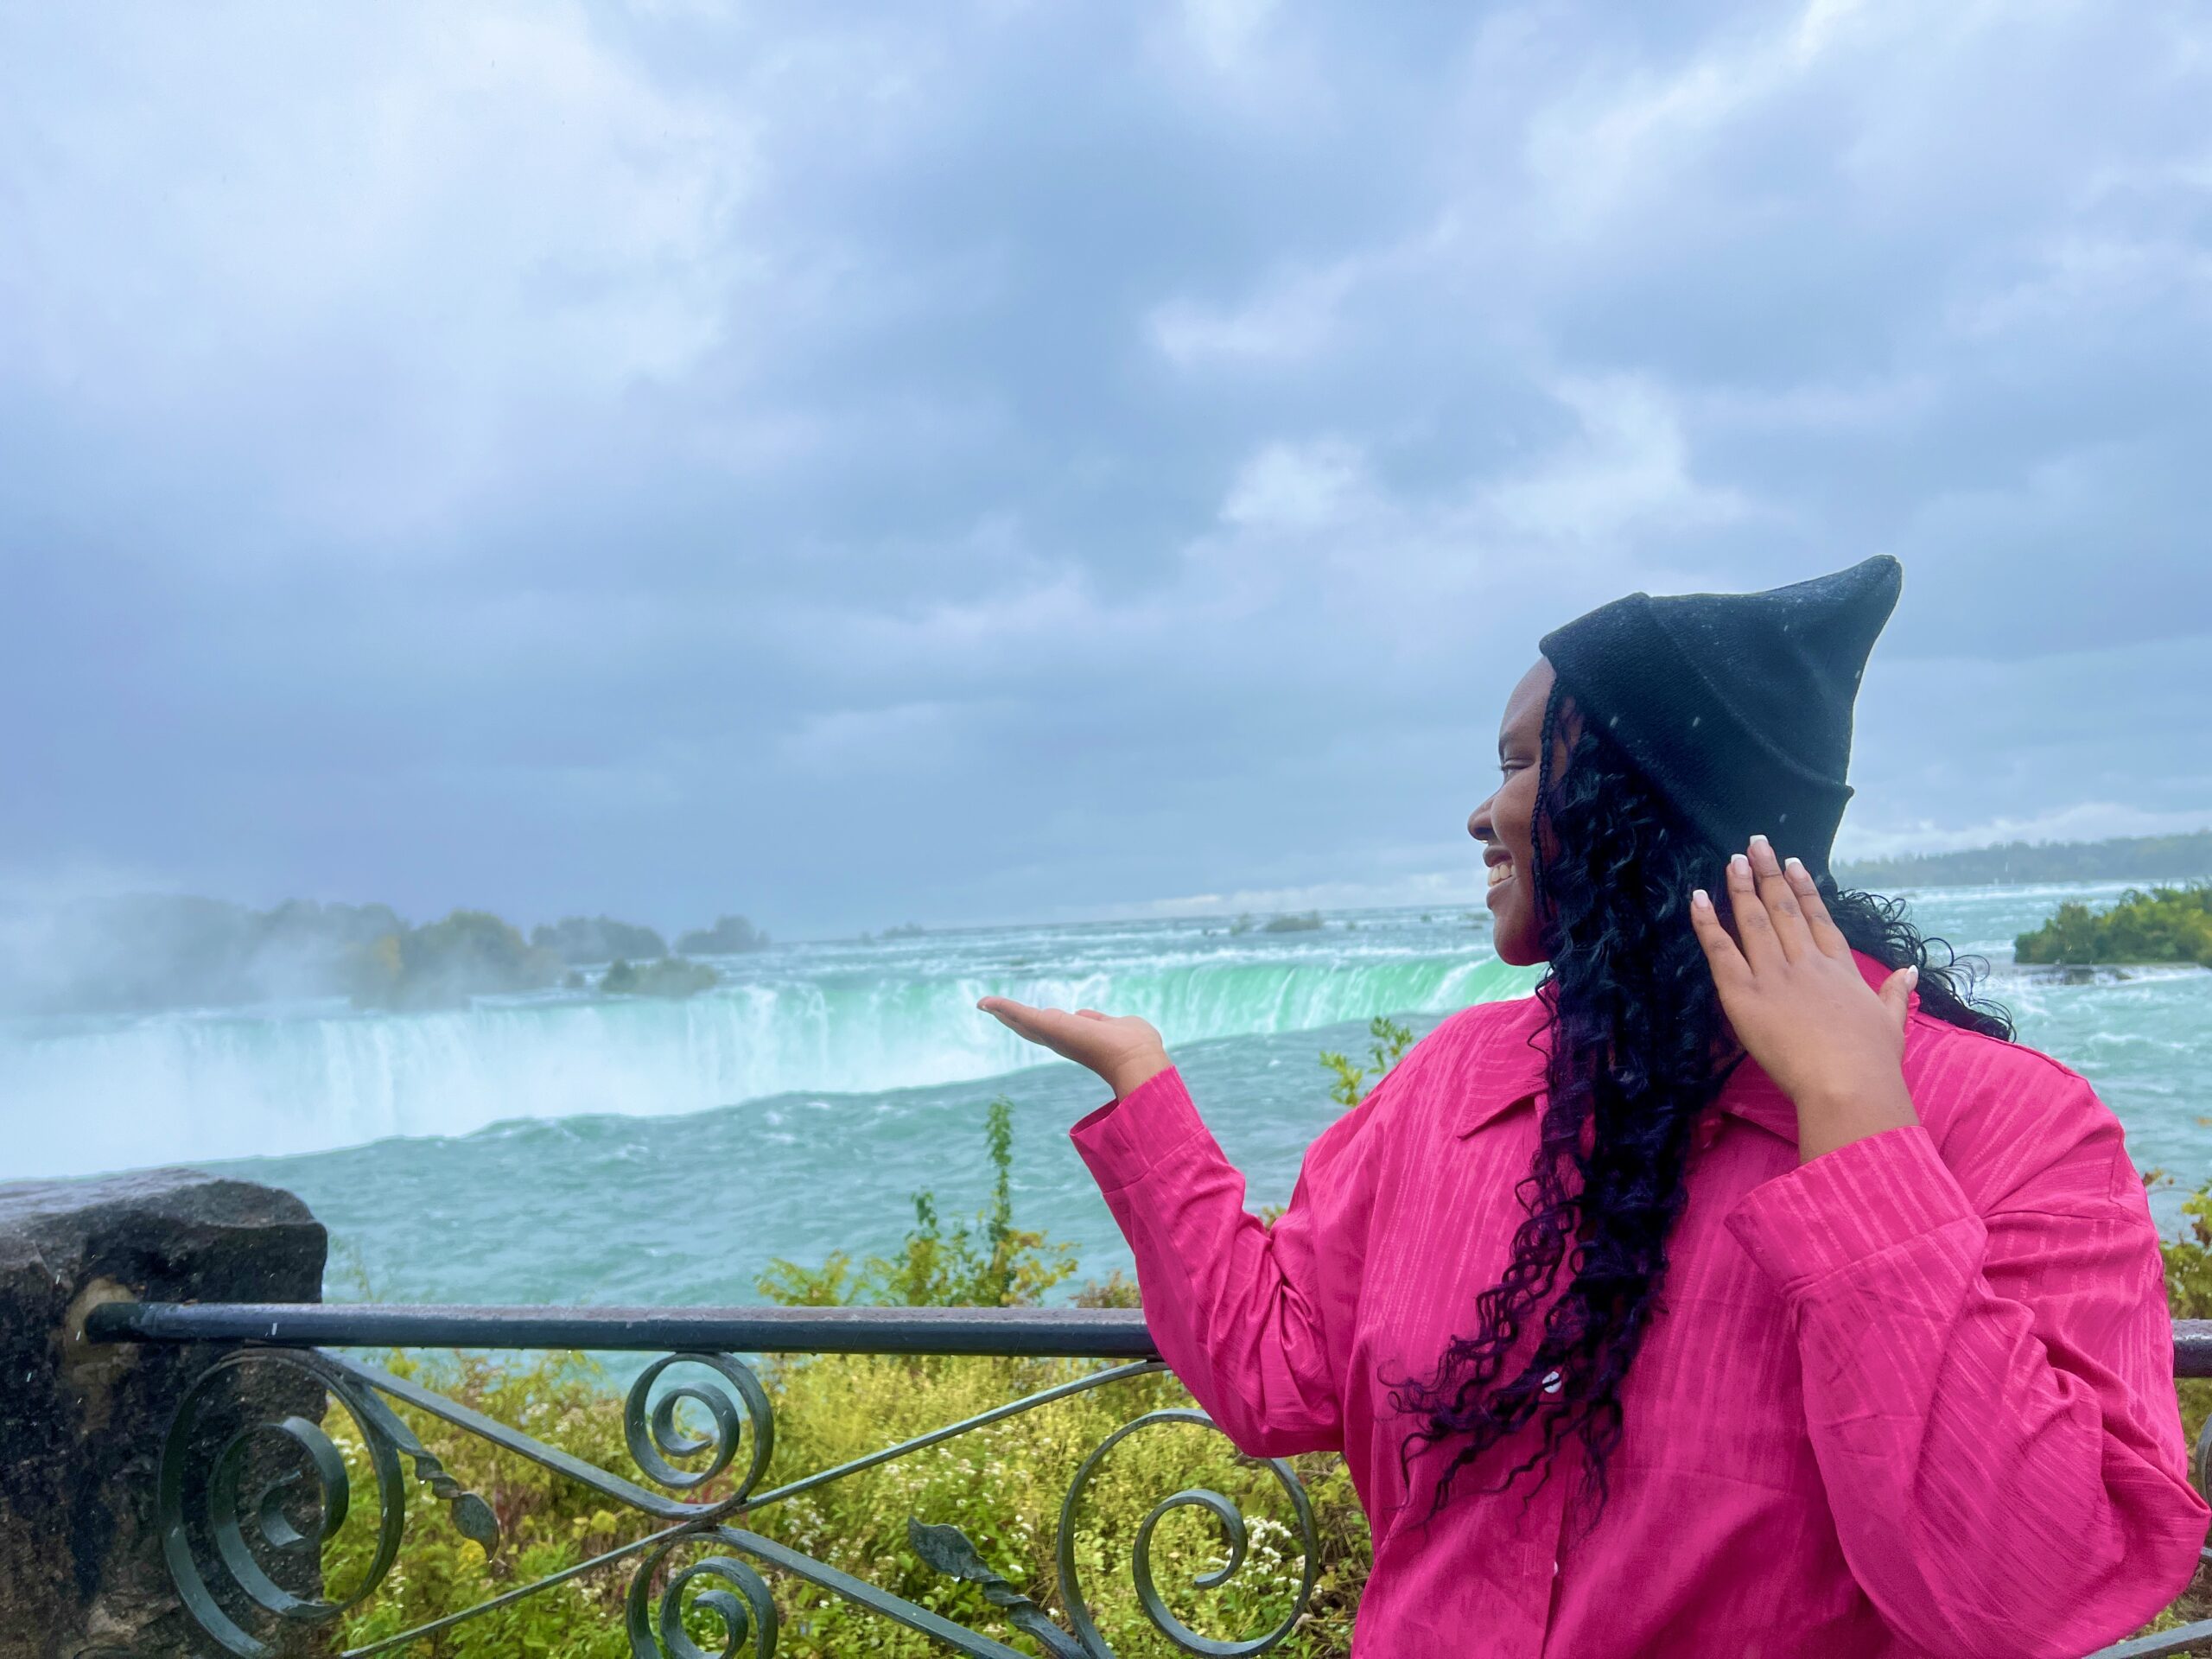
[[1800, 1006], [1122, 1049]]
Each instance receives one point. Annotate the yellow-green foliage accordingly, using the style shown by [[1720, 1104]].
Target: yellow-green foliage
[[2189, 1290], [1390, 1041], [2189, 1293], [1003, 1485], [2164, 924]]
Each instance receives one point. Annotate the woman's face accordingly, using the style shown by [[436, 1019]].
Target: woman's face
[[1505, 824]]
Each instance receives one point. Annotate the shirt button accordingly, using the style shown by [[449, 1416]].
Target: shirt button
[[1553, 1384]]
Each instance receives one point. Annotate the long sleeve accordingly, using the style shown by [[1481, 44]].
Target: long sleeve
[[1242, 1311], [1990, 1397]]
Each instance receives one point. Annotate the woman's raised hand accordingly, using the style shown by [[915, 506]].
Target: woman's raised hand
[[1122, 1049], [1800, 1007]]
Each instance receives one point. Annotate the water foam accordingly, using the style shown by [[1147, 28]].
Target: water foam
[[166, 1087]]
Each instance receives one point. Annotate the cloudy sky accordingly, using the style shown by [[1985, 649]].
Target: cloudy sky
[[999, 460]]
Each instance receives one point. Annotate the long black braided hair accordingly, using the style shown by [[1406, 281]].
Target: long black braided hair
[[1637, 1049]]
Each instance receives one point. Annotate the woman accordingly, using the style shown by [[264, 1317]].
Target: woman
[[1746, 1290]]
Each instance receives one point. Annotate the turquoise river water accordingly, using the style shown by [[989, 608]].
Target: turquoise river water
[[563, 1149]]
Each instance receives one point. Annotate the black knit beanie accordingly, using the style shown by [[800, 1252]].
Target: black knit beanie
[[1737, 706]]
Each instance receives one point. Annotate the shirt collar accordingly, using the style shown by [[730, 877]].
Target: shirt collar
[[1511, 1071]]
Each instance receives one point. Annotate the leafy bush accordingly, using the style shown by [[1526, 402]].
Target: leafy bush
[[1391, 1040], [2189, 1293], [2164, 924], [1003, 1485]]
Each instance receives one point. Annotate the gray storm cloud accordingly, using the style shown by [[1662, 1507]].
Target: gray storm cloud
[[1002, 461]]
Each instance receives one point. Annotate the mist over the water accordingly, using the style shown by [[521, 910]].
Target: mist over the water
[[103, 1092], [567, 1148]]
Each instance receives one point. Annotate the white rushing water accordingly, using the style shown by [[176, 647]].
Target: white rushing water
[[103, 1094], [569, 1149]]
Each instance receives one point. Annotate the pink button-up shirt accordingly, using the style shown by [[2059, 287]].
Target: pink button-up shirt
[[1915, 1396]]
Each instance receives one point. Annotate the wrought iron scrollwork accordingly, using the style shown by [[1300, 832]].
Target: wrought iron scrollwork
[[654, 1435], [1234, 1532], [252, 1489], [952, 1553], [740, 1601], [239, 1501]]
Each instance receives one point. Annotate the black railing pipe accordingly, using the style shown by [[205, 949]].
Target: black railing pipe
[[1040, 1332]]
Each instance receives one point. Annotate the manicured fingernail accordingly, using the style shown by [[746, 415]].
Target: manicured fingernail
[[1701, 900], [1758, 841], [1739, 865], [1911, 977]]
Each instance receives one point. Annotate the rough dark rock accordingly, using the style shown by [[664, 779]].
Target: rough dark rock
[[81, 1574]]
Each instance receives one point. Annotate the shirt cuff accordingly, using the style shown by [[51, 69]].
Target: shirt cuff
[[1848, 1205], [1125, 1139]]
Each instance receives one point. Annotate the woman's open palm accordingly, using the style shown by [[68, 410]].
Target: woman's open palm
[[1124, 1049]]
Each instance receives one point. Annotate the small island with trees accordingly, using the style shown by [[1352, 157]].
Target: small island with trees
[[2163, 924], [144, 952]]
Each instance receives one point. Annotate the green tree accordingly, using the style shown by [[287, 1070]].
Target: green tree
[[2164, 924], [470, 953]]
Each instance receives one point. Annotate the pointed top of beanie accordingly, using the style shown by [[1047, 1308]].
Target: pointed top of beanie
[[1737, 706]]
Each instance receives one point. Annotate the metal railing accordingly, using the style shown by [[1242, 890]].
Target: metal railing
[[229, 1489], [230, 1521]]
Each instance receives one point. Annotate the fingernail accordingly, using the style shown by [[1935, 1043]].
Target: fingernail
[[1701, 900], [1793, 865], [1739, 865], [1911, 977], [1758, 841]]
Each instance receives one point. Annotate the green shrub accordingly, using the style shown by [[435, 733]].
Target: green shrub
[[1002, 1485], [2164, 924], [2189, 1293], [1391, 1040]]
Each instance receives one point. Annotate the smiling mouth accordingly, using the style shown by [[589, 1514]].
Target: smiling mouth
[[1499, 872]]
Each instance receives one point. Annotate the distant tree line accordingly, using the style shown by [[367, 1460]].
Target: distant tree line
[[2124, 858], [142, 952]]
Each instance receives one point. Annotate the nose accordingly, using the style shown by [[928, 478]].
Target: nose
[[1479, 824]]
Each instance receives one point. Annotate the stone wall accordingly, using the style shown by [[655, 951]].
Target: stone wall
[[81, 1572]]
